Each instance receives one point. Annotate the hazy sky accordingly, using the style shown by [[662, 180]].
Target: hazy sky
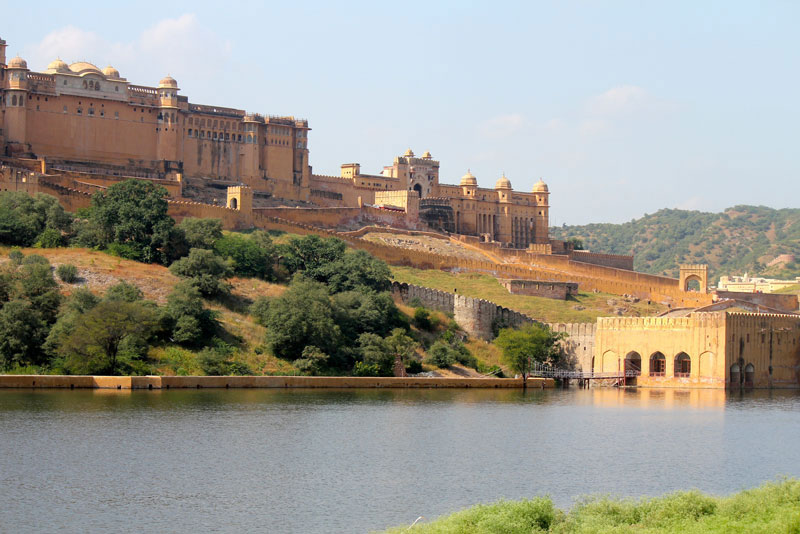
[[622, 107]]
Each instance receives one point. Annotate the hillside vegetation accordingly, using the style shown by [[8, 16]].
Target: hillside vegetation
[[741, 239]]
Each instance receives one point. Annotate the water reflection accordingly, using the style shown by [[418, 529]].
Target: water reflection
[[355, 460]]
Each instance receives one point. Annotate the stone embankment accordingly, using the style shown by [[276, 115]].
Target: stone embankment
[[266, 382]]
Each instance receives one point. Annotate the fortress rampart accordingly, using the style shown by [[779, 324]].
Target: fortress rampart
[[478, 317]]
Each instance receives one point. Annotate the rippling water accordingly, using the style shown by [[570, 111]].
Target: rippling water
[[312, 461]]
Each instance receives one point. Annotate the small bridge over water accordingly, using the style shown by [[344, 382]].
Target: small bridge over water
[[541, 370]]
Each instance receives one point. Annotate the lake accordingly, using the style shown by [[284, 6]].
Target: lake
[[349, 461]]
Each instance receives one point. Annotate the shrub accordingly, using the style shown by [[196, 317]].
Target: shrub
[[441, 355], [312, 361], [49, 238], [16, 256], [422, 318], [124, 292], [365, 369], [67, 273], [259, 309], [413, 366], [206, 271]]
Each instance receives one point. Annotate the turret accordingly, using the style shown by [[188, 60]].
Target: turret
[[469, 185], [16, 96], [2, 53], [168, 92], [503, 188], [168, 131]]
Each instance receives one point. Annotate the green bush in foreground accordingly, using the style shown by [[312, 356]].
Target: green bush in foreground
[[67, 273], [773, 507]]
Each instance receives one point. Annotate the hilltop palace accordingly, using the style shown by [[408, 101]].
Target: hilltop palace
[[75, 114], [74, 129]]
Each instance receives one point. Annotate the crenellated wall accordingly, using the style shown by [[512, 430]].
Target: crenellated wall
[[478, 317]]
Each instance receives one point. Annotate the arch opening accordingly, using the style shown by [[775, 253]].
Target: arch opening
[[658, 364], [234, 203], [735, 374], [633, 363], [633, 368], [692, 284], [749, 375], [418, 189], [683, 365]]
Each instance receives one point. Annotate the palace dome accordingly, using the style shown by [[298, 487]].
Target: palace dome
[[111, 72], [169, 81], [503, 183], [17, 63], [409, 153], [469, 179], [57, 66], [427, 155], [82, 66], [540, 187]]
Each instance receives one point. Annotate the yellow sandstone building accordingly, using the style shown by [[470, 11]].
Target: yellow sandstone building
[[82, 118]]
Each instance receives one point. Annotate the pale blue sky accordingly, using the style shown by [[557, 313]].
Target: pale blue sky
[[622, 107]]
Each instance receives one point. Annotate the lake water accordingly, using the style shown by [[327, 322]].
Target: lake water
[[311, 461]]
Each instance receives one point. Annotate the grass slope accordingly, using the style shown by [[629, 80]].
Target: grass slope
[[773, 508], [548, 310], [742, 238], [98, 271]]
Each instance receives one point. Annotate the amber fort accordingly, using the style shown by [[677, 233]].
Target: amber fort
[[74, 128]]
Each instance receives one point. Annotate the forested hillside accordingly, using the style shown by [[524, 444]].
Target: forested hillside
[[752, 239]]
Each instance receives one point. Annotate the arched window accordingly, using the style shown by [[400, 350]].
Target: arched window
[[683, 365], [234, 203], [14, 100], [658, 364]]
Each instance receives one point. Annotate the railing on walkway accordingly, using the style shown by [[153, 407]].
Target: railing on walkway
[[546, 371]]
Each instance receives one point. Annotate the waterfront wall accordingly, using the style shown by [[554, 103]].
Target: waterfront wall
[[267, 382]]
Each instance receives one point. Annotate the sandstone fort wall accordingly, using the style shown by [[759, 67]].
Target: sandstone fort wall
[[788, 303]]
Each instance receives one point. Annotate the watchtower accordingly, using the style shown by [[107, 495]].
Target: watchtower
[[694, 272], [240, 198]]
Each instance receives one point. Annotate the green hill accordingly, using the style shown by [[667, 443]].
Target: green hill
[[741, 239]]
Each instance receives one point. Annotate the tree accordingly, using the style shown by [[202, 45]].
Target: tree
[[250, 257], [184, 316], [311, 254], [534, 343], [357, 312], [206, 271], [201, 233], [133, 215], [302, 316], [383, 353], [94, 344], [21, 334], [355, 270], [24, 217]]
